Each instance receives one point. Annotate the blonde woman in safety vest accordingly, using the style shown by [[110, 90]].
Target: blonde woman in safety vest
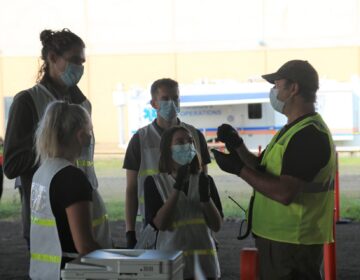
[[182, 204], [293, 179], [65, 209]]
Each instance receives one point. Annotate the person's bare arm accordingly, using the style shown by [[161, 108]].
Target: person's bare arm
[[131, 202], [212, 215], [283, 189], [79, 217], [164, 217], [204, 168], [247, 157]]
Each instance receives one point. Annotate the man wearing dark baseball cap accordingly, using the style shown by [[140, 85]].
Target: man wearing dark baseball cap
[[292, 215], [300, 72]]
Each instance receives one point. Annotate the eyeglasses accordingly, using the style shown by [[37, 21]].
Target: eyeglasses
[[246, 222]]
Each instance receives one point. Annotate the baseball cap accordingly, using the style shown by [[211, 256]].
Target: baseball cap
[[299, 71]]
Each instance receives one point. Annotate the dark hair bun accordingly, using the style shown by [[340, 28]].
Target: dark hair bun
[[45, 36]]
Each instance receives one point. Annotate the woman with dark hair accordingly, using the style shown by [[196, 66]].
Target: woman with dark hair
[[183, 204], [63, 58]]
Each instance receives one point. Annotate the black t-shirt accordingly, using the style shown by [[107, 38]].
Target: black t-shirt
[[307, 152], [153, 200], [132, 158], [68, 187]]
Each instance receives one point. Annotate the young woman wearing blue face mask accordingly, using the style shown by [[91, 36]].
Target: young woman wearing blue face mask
[[142, 153], [63, 58], [183, 204]]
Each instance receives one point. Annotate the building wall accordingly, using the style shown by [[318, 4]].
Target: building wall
[[104, 73]]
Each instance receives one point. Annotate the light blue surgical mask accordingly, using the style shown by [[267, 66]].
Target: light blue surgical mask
[[168, 109], [72, 74], [277, 104], [183, 154], [87, 142]]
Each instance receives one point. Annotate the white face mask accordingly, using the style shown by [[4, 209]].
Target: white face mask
[[72, 74], [87, 141], [183, 154], [277, 104], [168, 110]]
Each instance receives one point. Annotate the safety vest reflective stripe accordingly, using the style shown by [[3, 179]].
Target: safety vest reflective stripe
[[182, 223], [99, 221], [43, 222], [50, 223], [84, 163], [148, 172], [200, 252], [313, 187], [46, 258]]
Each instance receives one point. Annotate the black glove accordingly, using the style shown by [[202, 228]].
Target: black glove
[[227, 134], [204, 187], [130, 239], [182, 176], [230, 163]]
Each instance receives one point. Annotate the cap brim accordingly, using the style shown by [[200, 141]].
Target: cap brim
[[271, 78]]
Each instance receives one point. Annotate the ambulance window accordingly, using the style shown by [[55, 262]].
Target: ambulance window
[[255, 111]]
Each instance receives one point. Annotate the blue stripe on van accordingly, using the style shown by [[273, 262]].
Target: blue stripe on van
[[223, 97]]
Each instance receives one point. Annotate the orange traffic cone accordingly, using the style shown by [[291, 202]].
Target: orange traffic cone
[[330, 257], [249, 264]]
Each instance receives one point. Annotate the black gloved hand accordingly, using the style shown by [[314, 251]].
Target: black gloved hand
[[230, 163], [130, 239], [204, 187], [229, 135], [182, 176]]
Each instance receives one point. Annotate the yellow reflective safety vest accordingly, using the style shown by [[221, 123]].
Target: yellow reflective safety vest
[[190, 232], [45, 250], [150, 155], [309, 218]]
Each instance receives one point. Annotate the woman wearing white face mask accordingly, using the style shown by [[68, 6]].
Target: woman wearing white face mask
[[63, 204], [183, 204], [63, 57]]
